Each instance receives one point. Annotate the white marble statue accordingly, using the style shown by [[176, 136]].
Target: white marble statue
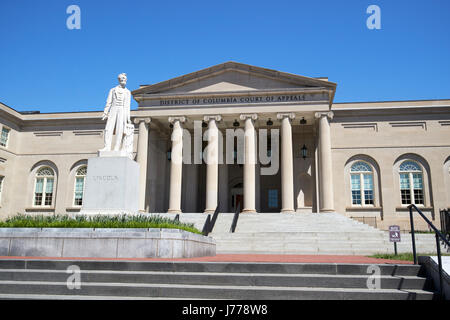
[[117, 113]]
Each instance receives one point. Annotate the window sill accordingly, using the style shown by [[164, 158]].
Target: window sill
[[361, 208], [40, 209], [406, 208]]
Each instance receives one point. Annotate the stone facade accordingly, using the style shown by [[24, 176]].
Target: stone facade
[[336, 136]]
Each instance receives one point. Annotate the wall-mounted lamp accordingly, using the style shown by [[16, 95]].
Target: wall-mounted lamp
[[204, 124], [270, 122], [304, 151], [235, 123], [303, 121]]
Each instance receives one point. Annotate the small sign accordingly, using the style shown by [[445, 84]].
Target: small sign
[[394, 234]]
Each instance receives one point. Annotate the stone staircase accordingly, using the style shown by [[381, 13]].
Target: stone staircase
[[106, 280], [304, 233]]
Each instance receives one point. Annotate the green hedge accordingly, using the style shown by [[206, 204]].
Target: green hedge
[[407, 256], [96, 221]]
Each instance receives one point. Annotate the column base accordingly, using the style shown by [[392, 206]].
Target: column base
[[248, 211], [173, 211], [287, 211], [208, 211], [327, 210]]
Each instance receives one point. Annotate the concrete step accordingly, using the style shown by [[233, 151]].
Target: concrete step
[[212, 278], [47, 279], [211, 291], [229, 267], [309, 233]]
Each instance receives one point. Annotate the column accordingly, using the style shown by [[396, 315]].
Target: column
[[176, 165], [287, 163], [142, 154], [249, 163], [212, 163], [325, 162]]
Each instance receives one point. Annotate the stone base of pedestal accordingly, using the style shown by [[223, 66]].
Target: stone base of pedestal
[[112, 186]]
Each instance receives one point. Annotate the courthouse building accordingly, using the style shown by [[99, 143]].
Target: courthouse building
[[368, 159]]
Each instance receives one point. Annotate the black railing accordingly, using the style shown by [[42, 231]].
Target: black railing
[[438, 244], [209, 223], [235, 218], [445, 223]]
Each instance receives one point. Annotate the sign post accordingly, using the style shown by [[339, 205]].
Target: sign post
[[394, 236]]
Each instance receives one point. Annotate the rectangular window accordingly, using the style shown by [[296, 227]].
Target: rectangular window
[[79, 184], [418, 188], [356, 189], [405, 188], [48, 192], [368, 196], [368, 189], [4, 137], [418, 196], [404, 181], [406, 196], [273, 198], [38, 191], [356, 196]]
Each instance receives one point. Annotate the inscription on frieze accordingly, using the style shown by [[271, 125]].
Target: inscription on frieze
[[245, 100]]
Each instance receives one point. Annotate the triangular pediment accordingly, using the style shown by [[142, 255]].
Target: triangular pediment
[[233, 77]]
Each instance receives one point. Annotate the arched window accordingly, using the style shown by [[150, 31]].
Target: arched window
[[411, 183], [80, 177], [361, 175], [43, 190]]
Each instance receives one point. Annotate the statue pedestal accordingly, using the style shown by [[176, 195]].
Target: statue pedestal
[[112, 186]]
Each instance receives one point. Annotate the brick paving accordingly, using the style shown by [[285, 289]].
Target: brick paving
[[277, 258]]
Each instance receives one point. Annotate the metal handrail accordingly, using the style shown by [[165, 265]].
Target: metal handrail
[[209, 223], [235, 218], [437, 234], [205, 229], [214, 218]]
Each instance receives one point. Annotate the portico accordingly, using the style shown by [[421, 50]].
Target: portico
[[198, 113]]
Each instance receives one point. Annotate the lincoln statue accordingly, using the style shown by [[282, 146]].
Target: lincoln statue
[[117, 113]]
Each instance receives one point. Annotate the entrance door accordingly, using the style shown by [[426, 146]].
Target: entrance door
[[239, 201], [237, 196]]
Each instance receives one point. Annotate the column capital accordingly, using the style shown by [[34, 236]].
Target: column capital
[[137, 120], [329, 114], [181, 119], [216, 117], [246, 116], [290, 115]]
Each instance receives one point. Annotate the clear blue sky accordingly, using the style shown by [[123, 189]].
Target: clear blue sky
[[45, 66]]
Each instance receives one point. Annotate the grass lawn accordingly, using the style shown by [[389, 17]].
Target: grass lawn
[[80, 221], [403, 256]]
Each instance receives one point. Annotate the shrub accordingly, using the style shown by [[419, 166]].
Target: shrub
[[95, 221]]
